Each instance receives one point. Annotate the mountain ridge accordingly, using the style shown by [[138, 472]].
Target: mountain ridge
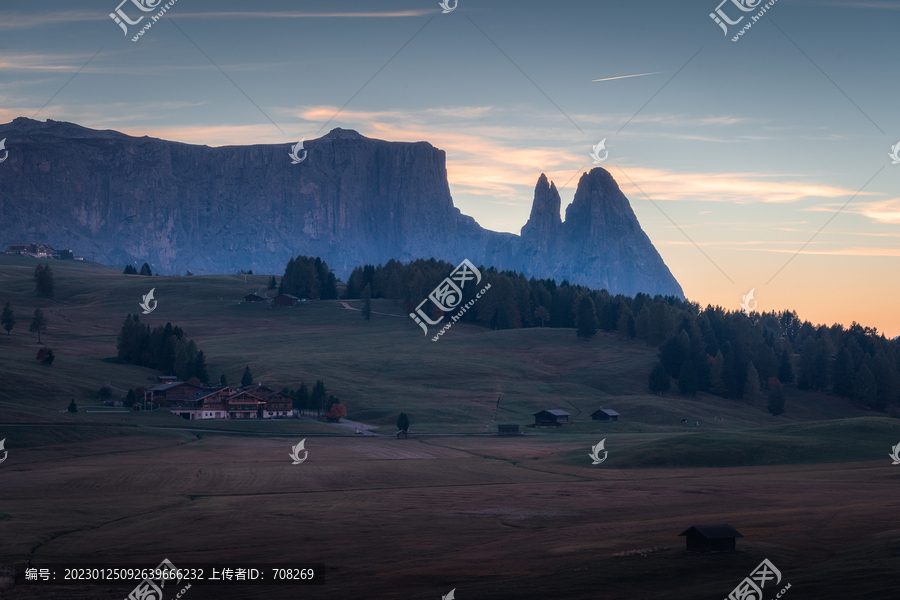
[[354, 200]]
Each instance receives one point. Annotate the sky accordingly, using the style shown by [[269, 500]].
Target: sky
[[759, 164]]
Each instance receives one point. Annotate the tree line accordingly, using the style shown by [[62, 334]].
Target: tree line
[[307, 277], [725, 353], [166, 349]]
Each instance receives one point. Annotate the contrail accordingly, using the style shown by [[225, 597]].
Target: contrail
[[626, 76]]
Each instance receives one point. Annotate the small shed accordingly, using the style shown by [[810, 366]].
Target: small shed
[[551, 418], [254, 297], [286, 300], [605, 414], [710, 538], [401, 435], [508, 429]]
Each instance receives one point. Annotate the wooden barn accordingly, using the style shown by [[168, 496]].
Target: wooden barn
[[286, 300], [508, 429], [256, 298], [605, 414], [551, 418], [710, 538], [401, 435]]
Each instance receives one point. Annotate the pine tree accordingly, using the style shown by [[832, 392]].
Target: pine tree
[[317, 398], [303, 401], [38, 324], [586, 318], [272, 283], [145, 269], [367, 302], [844, 373], [865, 390], [716, 380], [200, 371], [73, 408], [8, 319], [43, 281], [130, 270], [674, 352], [223, 380], [129, 399], [687, 379], [247, 378], [751, 386], [776, 402], [542, 313], [403, 422], [659, 380]]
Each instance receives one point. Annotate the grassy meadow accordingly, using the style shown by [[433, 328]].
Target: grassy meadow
[[525, 517]]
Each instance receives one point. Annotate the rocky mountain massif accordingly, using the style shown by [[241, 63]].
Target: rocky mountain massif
[[352, 201]]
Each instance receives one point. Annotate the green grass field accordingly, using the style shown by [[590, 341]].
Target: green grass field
[[813, 490]]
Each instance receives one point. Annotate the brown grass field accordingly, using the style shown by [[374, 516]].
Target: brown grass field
[[526, 517]]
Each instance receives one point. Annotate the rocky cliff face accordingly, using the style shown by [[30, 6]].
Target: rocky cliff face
[[352, 201]]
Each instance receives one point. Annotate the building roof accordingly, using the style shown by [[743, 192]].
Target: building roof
[[555, 412], [206, 392], [711, 532], [608, 411], [168, 385], [287, 296], [254, 296]]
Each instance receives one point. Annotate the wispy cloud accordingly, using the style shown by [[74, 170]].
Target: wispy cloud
[[28, 20], [884, 211]]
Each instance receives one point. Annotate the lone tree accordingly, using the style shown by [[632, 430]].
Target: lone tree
[[45, 355], [247, 378], [129, 398], [659, 380], [542, 313], [104, 393], [73, 408], [586, 318], [223, 380], [145, 269], [776, 402], [272, 283], [43, 281], [38, 324], [8, 319], [367, 302], [403, 422], [336, 412]]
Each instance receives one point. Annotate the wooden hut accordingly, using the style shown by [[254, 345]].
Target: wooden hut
[[710, 538], [286, 300], [508, 429], [551, 418], [254, 297], [605, 414], [401, 435]]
